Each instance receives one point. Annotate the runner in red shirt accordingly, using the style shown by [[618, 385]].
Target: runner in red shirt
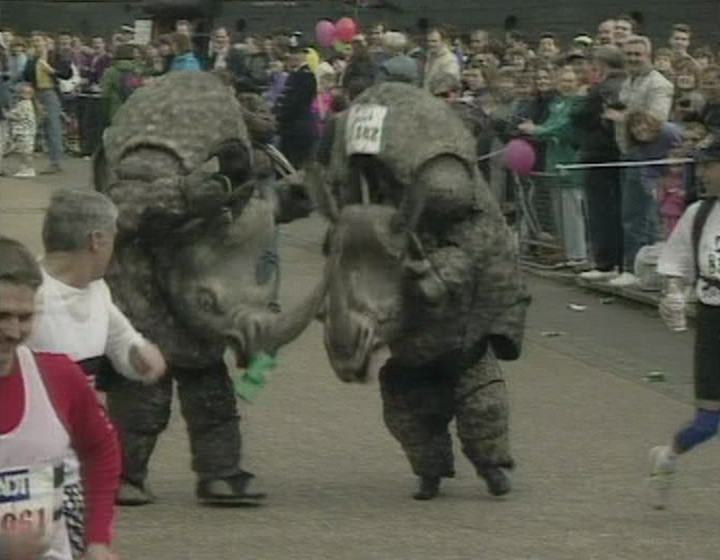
[[46, 407]]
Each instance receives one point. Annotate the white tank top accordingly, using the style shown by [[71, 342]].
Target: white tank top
[[31, 460]]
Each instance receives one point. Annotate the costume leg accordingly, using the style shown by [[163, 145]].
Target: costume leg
[[208, 404], [417, 408], [482, 414], [140, 413]]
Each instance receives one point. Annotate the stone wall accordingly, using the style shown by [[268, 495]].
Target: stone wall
[[561, 16]]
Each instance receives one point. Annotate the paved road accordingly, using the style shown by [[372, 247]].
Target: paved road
[[583, 419]]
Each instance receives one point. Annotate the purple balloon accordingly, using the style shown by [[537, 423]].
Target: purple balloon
[[325, 33], [520, 156]]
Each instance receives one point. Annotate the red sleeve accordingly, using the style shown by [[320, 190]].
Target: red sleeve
[[93, 438]]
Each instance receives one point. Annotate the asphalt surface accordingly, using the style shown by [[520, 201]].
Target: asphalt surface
[[583, 419]]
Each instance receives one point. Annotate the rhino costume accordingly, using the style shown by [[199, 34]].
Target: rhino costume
[[421, 261], [188, 271]]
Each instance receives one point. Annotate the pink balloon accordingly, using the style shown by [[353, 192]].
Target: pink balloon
[[325, 33], [345, 29], [520, 156]]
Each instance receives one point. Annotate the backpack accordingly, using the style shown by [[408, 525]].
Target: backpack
[[701, 218], [129, 82]]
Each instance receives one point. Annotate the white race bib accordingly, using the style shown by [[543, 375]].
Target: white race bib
[[27, 500], [365, 128]]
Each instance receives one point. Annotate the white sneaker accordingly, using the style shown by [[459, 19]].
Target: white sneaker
[[25, 173], [597, 275], [625, 280], [662, 468]]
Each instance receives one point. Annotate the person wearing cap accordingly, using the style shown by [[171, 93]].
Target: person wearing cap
[[596, 136], [583, 40], [397, 65], [692, 258]]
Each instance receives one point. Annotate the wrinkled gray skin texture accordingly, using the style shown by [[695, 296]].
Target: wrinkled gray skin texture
[[186, 268], [424, 264], [191, 267]]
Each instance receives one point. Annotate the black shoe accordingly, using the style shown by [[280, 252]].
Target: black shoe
[[429, 488], [498, 483], [134, 495], [233, 490]]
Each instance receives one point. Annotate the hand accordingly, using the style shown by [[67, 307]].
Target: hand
[[22, 546], [614, 115], [100, 552], [149, 362], [528, 127]]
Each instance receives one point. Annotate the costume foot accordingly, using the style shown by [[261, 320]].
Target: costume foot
[[133, 495], [429, 488], [233, 490], [498, 483]]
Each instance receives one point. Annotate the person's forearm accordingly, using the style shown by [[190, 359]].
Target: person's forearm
[[122, 337], [101, 476]]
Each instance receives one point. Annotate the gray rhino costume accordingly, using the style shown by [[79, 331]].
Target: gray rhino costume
[[421, 261], [189, 270]]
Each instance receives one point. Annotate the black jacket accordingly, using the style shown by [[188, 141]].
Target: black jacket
[[597, 135], [294, 108], [62, 66]]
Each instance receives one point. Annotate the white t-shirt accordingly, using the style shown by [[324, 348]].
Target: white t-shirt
[[83, 323], [678, 257]]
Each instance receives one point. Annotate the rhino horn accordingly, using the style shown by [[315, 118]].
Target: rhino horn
[[285, 327]]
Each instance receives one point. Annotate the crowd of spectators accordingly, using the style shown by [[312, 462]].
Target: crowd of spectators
[[602, 97], [607, 100]]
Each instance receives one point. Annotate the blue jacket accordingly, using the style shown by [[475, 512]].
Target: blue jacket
[[186, 62]]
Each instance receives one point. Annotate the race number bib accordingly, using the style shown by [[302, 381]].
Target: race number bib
[[27, 500], [365, 129]]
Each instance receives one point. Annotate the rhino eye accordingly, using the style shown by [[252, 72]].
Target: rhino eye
[[207, 301]]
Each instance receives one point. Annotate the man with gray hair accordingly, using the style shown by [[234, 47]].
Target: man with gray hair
[[77, 317], [598, 145], [398, 66], [646, 91]]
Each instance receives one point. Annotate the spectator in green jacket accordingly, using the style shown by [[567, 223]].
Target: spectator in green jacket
[[119, 81], [561, 147]]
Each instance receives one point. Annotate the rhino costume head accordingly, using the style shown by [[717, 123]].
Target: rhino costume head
[[193, 261], [420, 258]]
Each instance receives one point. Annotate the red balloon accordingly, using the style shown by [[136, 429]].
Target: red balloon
[[345, 29], [520, 156]]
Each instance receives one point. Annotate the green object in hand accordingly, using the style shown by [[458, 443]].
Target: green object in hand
[[249, 385]]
